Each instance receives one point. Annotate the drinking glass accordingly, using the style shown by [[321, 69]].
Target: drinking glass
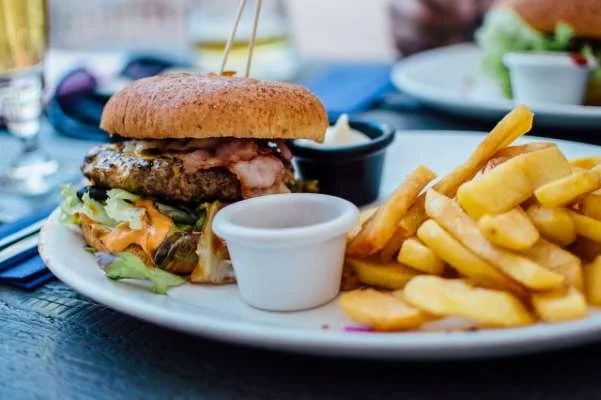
[[209, 26], [23, 42]]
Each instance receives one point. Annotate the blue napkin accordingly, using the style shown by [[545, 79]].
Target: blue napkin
[[26, 270], [350, 88]]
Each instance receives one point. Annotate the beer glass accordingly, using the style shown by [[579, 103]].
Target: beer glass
[[23, 41]]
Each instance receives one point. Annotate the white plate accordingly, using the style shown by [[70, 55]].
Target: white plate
[[218, 312], [450, 79]]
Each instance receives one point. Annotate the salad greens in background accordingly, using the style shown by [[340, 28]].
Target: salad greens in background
[[504, 31]]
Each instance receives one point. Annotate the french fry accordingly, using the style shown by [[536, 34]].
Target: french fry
[[454, 297], [380, 228], [512, 182], [464, 261], [546, 165], [560, 305], [586, 162], [415, 255], [512, 230], [513, 151], [554, 224], [592, 274], [452, 218], [558, 260], [567, 190], [389, 276], [586, 249], [515, 124], [590, 205], [381, 311], [586, 226], [364, 216], [494, 162]]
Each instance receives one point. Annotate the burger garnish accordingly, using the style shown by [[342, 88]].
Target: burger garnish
[[195, 144], [542, 26]]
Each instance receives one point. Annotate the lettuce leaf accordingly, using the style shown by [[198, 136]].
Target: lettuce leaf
[[128, 266], [71, 206], [178, 215], [504, 31], [120, 208]]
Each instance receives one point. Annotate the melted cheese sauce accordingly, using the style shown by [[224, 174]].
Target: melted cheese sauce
[[149, 238]]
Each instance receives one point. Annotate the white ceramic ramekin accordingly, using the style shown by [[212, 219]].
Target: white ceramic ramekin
[[287, 249], [558, 78]]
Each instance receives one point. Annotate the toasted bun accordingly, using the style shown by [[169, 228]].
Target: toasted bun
[[584, 16], [184, 105]]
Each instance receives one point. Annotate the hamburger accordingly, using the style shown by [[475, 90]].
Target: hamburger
[[541, 26], [191, 144]]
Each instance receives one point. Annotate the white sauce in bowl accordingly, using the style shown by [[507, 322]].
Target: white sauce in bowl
[[339, 135]]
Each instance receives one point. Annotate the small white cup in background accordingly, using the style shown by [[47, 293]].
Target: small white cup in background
[[553, 77], [287, 249]]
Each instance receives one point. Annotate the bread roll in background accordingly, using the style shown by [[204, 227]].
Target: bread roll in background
[[584, 16]]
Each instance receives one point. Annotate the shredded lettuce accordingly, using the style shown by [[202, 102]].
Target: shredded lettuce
[[120, 208], [128, 266], [71, 206], [504, 31]]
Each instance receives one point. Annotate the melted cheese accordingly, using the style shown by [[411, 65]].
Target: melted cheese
[[149, 238]]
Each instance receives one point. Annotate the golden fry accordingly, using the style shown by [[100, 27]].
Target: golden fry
[[558, 260], [554, 224], [560, 305], [389, 276], [452, 218], [512, 182], [380, 228], [590, 205], [592, 275], [515, 124], [567, 190], [513, 151], [415, 255], [586, 162], [381, 311], [364, 216], [586, 226], [464, 261], [454, 297], [512, 230]]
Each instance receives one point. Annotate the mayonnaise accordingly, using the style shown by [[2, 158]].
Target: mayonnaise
[[339, 135]]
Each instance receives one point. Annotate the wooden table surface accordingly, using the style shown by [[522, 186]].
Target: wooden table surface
[[57, 344]]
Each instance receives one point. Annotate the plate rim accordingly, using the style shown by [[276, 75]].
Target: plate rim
[[399, 75], [414, 345]]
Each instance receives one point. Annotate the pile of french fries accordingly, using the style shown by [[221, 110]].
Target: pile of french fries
[[509, 238]]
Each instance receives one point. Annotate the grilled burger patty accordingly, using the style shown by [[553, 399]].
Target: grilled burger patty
[[162, 176]]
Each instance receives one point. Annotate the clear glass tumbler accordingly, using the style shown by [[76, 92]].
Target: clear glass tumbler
[[209, 26], [23, 42]]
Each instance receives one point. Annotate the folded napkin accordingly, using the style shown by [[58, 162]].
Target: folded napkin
[[25, 270], [76, 105]]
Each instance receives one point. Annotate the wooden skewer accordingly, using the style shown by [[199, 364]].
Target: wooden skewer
[[253, 37], [230, 40]]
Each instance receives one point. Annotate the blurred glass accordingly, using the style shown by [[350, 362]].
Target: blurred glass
[[22, 45], [118, 25], [209, 26]]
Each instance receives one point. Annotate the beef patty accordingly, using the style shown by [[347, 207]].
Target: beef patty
[[162, 176]]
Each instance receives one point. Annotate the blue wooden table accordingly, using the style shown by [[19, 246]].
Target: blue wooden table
[[57, 344]]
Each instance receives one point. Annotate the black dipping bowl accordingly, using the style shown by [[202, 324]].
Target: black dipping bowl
[[351, 172]]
